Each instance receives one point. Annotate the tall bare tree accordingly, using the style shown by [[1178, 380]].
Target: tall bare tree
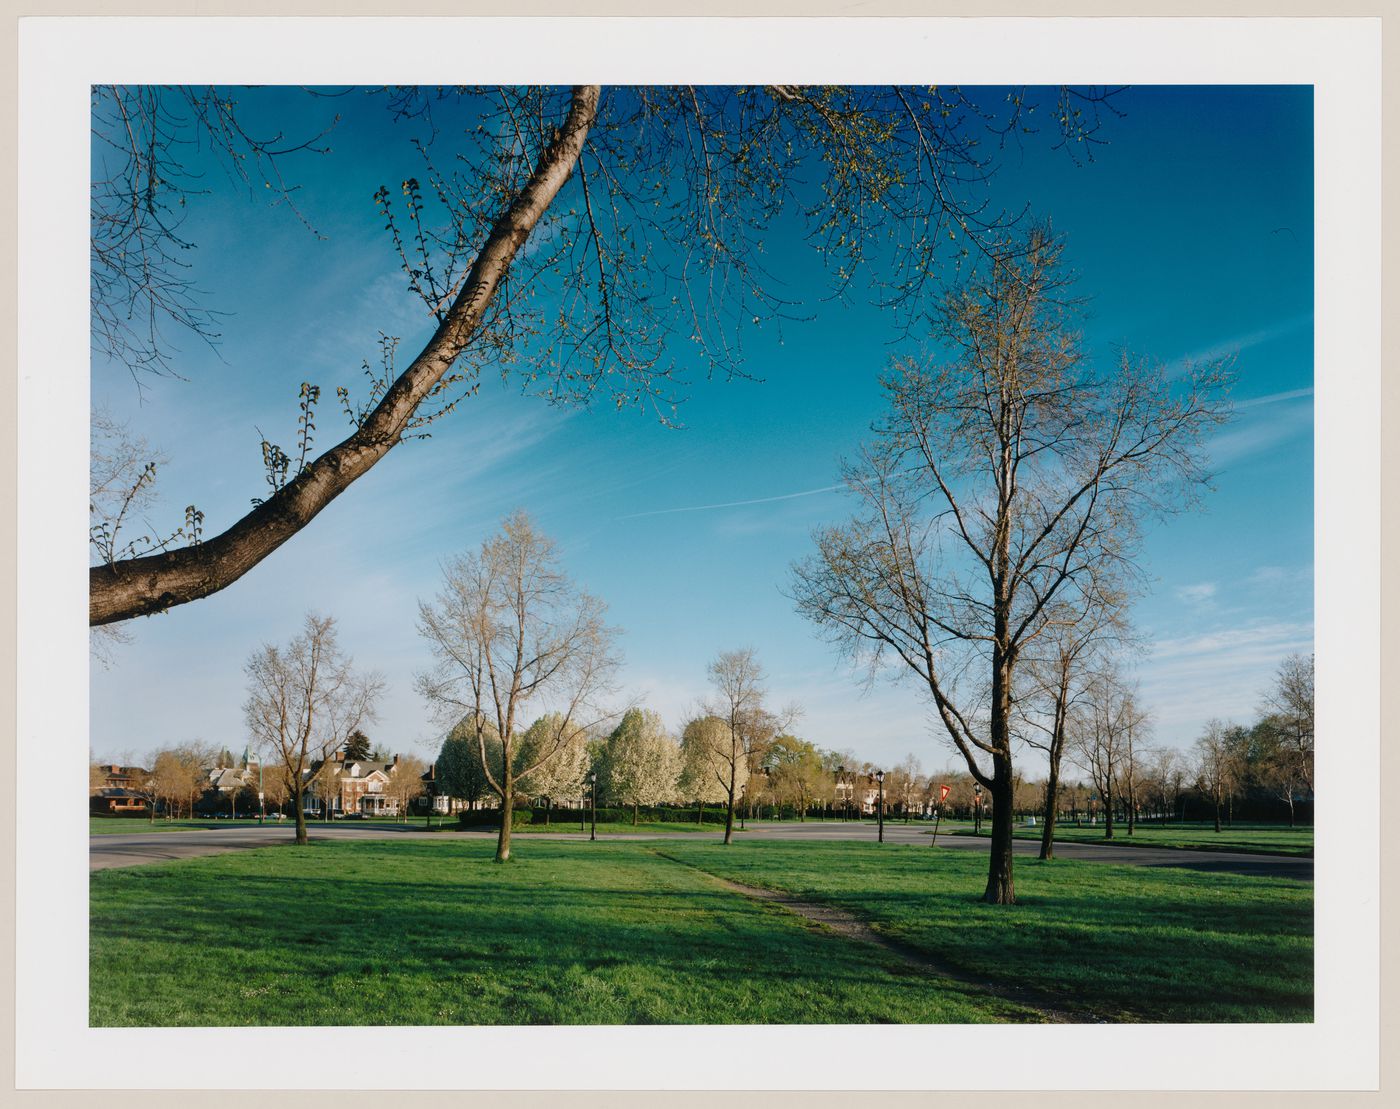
[[997, 485], [1215, 766], [512, 633], [737, 747], [1106, 740], [304, 700], [1291, 701], [648, 211], [406, 783], [1163, 775], [1058, 671]]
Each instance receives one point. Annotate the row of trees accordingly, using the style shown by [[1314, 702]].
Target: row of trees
[[177, 781], [1272, 758], [558, 649]]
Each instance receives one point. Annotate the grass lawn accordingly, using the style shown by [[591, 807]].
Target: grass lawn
[[1134, 943], [643, 827], [127, 825], [437, 933], [568, 932], [1250, 839]]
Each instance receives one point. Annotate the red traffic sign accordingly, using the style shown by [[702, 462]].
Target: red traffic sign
[[943, 792]]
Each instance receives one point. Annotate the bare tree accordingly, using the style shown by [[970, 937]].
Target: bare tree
[[1103, 743], [1291, 701], [1163, 776], [737, 747], [304, 700], [406, 783], [997, 487], [512, 633], [173, 780], [1058, 668], [144, 186], [647, 210], [1214, 765]]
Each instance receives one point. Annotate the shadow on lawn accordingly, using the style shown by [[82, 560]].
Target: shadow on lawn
[[1134, 943], [641, 942]]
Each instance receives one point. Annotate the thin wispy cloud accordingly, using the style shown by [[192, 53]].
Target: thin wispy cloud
[[1240, 343], [1256, 436], [1222, 673], [1273, 398], [1196, 594], [1273, 577], [731, 504]]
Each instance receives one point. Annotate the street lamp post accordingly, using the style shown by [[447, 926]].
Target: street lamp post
[[977, 809], [880, 811], [593, 804], [845, 802]]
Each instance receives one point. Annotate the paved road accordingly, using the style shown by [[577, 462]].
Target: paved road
[[136, 848]]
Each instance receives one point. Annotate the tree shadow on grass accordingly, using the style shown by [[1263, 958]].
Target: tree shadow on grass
[[358, 935]]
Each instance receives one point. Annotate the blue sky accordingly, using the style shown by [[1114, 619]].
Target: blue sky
[[1191, 231]]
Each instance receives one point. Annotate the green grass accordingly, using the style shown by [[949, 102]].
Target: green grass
[[129, 825], [1132, 943], [436, 933], [569, 932], [643, 827], [1249, 839]]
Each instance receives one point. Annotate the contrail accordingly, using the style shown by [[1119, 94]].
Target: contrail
[[731, 504], [1292, 394]]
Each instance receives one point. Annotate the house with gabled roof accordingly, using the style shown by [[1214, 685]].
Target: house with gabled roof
[[357, 786]]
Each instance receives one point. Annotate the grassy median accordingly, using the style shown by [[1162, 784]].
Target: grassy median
[[434, 932]]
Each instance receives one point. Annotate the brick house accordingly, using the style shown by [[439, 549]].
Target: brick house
[[118, 794], [357, 786]]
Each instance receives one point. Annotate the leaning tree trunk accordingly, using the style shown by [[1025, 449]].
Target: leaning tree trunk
[[154, 583]]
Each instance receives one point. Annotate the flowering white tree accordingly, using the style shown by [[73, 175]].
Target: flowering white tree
[[704, 769], [640, 763], [563, 774]]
